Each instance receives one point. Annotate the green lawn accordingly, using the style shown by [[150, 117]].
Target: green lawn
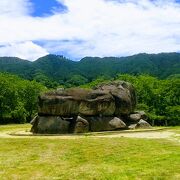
[[13, 127], [87, 158]]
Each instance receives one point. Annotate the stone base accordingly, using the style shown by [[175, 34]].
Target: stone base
[[61, 125], [50, 125]]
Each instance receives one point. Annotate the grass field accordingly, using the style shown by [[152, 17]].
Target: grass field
[[87, 157]]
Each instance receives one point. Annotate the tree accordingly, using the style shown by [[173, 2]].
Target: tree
[[29, 96], [43, 79], [18, 98], [76, 80]]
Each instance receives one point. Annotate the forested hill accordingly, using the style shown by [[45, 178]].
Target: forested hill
[[58, 68]]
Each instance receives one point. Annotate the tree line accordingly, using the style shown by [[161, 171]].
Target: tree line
[[18, 98], [160, 99]]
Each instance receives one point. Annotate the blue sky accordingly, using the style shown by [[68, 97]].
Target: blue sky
[[77, 28], [43, 8]]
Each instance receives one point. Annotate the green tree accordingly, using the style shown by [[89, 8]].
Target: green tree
[[76, 80], [18, 98], [43, 79]]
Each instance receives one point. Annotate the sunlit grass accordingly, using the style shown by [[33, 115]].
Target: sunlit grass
[[176, 129], [87, 158], [14, 127]]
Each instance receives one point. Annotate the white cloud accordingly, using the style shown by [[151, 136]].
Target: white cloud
[[25, 50], [95, 28], [15, 7]]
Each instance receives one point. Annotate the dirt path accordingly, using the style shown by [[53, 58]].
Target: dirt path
[[149, 135], [165, 134]]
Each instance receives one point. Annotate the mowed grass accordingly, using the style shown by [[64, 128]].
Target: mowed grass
[[88, 158], [14, 127]]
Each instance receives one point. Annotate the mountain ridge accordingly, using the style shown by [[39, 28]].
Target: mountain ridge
[[59, 68]]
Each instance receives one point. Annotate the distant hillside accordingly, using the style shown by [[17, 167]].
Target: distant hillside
[[59, 69]]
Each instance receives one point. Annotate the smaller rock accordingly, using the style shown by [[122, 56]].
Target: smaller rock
[[105, 123], [34, 123], [117, 123], [34, 120], [142, 114], [82, 125], [143, 125], [132, 126], [135, 117], [50, 125]]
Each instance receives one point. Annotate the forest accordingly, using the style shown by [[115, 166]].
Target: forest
[[159, 98], [54, 70]]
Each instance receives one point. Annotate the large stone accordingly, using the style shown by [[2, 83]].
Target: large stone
[[96, 103], [82, 125], [143, 125], [76, 101], [61, 102], [58, 106], [117, 123], [109, 99], [135, 117], [140, 125], [124, 95], [105, 123], [50, 125], [79, 110], [142, 114]]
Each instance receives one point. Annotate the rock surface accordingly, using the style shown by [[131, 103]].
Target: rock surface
[[105, 123], [132, 126], [117, 123], [124, 95], [142, 124], [81, 126], [135, 117], [50, 125], [107, 107], [142, 114], [97, 102], [110, 99]]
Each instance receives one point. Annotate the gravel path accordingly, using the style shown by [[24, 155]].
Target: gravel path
[[165, 134], [149, 135]]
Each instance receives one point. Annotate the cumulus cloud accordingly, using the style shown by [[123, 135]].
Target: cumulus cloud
[[93, 28], [15, 8], [25, 50]]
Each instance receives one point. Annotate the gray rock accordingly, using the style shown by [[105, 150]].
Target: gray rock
[[105, 123], [97, 109], [33, 121], [82, 125], [140, 125], [58, 106], [132, 126], [108, 99], [76, 101], [143, 125], [97, 102], [124, 95], [142, 114], [50, 125], [117, 123], [135, 117]]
